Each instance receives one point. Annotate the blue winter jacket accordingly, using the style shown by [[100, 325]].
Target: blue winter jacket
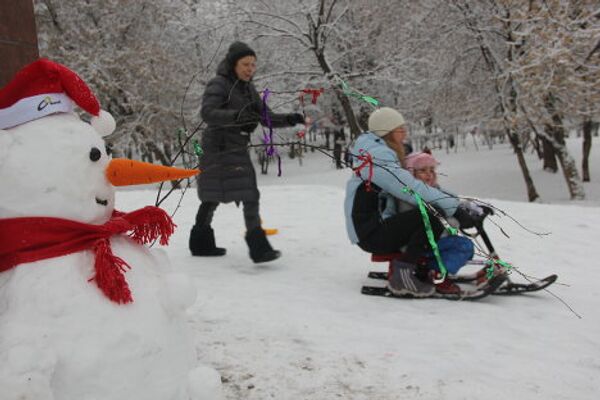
[[391, 178]]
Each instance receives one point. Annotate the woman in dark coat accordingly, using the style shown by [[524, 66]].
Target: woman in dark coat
[[232, 109]]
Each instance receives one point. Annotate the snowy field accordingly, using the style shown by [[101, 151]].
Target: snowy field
[[298, 328]]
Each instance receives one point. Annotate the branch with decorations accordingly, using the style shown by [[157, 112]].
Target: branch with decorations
[[365, 161]]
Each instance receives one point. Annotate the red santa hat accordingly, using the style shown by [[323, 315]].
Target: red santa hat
[[45, 87]]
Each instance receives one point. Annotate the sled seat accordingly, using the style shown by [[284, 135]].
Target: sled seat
[[386, 257]]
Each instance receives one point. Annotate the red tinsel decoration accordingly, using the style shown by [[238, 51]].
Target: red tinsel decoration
[[367, 161], [315, 93]]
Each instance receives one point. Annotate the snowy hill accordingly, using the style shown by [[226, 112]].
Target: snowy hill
[[298, 328]]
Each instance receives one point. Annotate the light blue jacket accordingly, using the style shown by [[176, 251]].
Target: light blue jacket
[[389, 175]]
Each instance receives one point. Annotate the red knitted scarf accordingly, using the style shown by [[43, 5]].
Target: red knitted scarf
[[24, 240]]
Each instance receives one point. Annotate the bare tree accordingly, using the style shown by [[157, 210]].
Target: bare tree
[[554, 79], [493, 42], [329, 43], [529, 69], [138, 57]]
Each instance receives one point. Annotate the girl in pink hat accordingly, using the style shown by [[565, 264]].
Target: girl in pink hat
[[422, 165], [456, 250]]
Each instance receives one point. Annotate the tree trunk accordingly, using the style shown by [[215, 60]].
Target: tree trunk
[[355, 129], [489, 139], [571, 174], [532, 194], [316, 37], [18, 37], [567, 162], [474, 136], [587, 147], [327, 134], [537, 146], [550, 163], [515, 141]]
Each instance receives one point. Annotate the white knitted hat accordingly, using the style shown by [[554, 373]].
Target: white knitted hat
[[384, 120]]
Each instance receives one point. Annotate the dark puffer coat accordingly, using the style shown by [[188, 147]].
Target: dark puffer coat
[[227, 173]]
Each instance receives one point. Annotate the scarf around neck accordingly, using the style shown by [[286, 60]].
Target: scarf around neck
[[29, 239]]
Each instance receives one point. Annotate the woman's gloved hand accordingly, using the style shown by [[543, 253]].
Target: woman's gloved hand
[[295, 118]]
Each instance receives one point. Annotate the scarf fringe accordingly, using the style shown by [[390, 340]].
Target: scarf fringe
[[109, 276], [150, 223]]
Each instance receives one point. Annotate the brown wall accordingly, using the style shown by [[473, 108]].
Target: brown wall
[[18, 37]]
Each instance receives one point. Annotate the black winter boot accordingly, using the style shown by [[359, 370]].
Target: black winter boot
[[260, 249], [202, 242]]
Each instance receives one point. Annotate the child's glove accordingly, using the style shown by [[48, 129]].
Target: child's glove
[[470, 214]]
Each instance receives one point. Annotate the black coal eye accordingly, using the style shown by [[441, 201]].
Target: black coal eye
[[108, 150], [95, 154]]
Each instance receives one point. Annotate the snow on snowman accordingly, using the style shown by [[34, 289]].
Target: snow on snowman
[[86, 310]]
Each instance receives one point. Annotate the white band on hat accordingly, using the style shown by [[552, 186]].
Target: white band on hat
[[34, 107]]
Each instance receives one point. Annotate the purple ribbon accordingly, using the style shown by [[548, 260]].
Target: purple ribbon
[[268, 123], [270, 149]]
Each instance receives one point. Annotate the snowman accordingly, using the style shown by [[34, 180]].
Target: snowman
[[86, 310]]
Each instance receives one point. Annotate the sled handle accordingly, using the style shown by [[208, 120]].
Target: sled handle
[[486, 240]]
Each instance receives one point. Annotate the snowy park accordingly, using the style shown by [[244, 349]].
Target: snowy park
[[299, 328], [194, 196]]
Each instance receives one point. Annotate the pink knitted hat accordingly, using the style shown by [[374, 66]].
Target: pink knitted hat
[[420, 160]]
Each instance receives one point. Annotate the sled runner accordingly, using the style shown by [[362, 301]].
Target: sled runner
[[477, 284], [506, 288]]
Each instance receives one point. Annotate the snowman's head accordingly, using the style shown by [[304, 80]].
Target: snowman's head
[[52, 164], [55, 167]]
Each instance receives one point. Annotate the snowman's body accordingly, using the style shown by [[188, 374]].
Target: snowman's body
[[60, 337]]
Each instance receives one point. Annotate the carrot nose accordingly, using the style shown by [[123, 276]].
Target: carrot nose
[[124, 172]]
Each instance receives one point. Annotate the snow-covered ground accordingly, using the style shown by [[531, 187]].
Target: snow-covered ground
[[298, 327]]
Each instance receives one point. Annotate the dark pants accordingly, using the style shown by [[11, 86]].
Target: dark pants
[[404, 229], [207, 209]]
